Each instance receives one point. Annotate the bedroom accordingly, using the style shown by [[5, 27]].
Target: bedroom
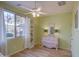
[[51, 17]]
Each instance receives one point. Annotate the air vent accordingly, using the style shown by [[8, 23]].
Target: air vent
[[18, 4], [61, 3]]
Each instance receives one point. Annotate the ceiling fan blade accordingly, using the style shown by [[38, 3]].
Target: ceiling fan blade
[[29, 13], [38, 9], [26, 8], [42, 13]]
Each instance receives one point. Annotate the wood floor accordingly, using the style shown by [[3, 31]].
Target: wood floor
[[42, 52]]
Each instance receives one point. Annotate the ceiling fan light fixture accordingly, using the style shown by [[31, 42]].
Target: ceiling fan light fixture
[[37, 15], [34, 14]]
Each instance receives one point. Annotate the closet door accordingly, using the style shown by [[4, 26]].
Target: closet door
[[2, 40]]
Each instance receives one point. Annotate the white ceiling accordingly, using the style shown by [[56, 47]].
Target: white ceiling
[[49, 7]]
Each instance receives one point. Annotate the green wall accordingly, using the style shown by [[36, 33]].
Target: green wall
[[15, 45], [36, 30], [65, 22]]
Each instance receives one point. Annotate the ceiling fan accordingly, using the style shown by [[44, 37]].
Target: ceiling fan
[[36, 12]]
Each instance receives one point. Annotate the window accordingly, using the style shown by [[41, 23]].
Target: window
[[9, 20], [14, 25], [20, 23]]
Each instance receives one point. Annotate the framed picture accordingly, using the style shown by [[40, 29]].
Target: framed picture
[[52, 30]]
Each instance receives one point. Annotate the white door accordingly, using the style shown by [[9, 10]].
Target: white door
[[75, 36], [75, 44]]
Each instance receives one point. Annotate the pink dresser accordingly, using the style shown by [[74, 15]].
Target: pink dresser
[[50, 41]]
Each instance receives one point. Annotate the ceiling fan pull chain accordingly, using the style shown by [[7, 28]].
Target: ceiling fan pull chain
[[35, 3]]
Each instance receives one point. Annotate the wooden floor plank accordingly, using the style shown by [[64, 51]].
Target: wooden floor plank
[[42, 52]]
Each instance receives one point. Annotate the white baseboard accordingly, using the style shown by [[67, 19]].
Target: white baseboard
[[65, 49]]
